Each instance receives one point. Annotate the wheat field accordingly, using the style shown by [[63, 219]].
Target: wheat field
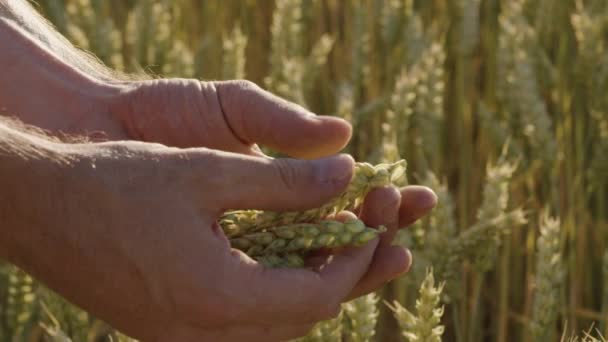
[[500, 106]]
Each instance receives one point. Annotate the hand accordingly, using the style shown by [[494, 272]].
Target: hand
[[123, 197], [128, 231], [234, 115]]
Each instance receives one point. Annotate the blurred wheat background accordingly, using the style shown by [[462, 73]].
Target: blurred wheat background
[[500, 106]]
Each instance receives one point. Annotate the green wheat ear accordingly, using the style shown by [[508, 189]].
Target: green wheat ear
[[549, 277], [424, 326], [301, 237], [287, 246], [361, 318], [365, 178], [283, 239]]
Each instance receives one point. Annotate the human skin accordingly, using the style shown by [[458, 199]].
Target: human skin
[[126, 229]]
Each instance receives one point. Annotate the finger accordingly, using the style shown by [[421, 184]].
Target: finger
[[302, 296], [236, 181], [381, 207], [257, 116], [416, 201], [389, 263], [392, 261]]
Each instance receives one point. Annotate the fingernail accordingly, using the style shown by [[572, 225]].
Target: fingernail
[[335, 170], [430, 201]]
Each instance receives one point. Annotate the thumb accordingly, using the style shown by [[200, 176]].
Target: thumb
[[257, 116], [282, 184]]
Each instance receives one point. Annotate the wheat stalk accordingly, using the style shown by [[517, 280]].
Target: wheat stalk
[[605, 289], [469, 28], [439, 236], [494, 203]]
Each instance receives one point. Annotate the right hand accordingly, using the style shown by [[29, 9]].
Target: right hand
[[128, 231]]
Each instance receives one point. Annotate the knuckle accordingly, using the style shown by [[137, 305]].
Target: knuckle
[[202, 167], [246, 85], [240, 86], [236, 99]]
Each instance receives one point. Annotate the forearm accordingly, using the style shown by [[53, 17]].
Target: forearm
[[23, 15], [27, 164], [46, 82]]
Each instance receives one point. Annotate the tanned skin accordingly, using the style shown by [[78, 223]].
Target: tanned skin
[[123, 221]]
